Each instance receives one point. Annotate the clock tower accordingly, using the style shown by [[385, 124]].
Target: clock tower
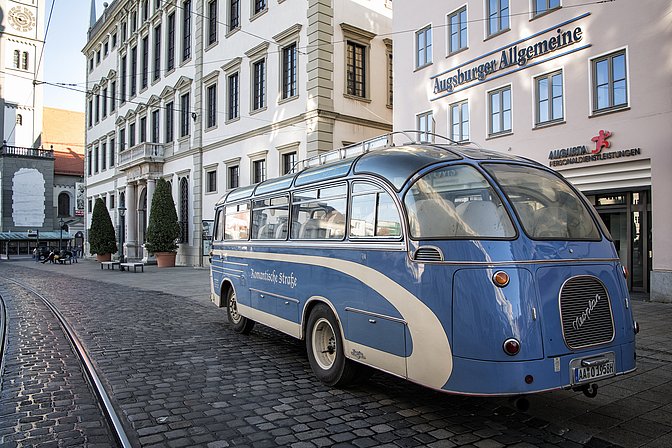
[[21, 69]]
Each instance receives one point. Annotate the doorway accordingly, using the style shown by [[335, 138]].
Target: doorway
[[627, 215]]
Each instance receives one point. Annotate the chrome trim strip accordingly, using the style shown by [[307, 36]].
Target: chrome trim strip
[[274, 295], [515, 262], [372, 314]]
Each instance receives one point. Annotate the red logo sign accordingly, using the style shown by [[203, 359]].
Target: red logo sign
[[601, 141]]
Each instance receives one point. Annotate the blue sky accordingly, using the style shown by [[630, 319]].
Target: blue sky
[[63, 58]]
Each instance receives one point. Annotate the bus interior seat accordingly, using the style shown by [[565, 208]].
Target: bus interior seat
[[266, 232], [281, 231], [525, 215], [551, 222], [435, 217], [484, 218]]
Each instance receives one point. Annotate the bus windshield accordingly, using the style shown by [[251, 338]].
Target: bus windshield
[[456, 202], [547, 206]]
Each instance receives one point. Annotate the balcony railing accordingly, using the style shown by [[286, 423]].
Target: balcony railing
[[142, 153], [19, 151]]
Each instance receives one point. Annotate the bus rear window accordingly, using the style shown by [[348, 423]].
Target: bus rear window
[[548, 208], [456, 202]]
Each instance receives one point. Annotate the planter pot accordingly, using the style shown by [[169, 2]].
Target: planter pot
[[165, 259], [104, 257]]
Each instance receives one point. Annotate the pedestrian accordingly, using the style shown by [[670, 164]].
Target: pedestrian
[[35, 253], [75, 253]]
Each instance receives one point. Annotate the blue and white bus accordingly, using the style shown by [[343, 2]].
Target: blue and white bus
[[461, 269]]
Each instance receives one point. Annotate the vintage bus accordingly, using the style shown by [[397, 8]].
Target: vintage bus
[[461, 269]]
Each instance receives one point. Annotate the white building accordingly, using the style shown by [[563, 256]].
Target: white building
[[21, 43], [585, 89], [212, 94]]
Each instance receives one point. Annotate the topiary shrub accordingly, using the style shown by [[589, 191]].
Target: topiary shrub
[[163, 229], [101, 234]]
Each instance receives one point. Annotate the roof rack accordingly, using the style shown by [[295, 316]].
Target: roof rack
[[355, 149]]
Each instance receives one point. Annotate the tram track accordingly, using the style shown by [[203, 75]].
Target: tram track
[[90, 374]]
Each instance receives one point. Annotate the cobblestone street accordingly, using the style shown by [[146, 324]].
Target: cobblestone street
[[180, 377]]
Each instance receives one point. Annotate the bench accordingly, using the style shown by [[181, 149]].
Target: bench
[[135, 266], [65, 260], [109, 264]]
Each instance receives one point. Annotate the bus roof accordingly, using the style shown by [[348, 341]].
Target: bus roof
[[396, 164]]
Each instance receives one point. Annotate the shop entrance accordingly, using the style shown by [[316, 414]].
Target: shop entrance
[[627, 215]]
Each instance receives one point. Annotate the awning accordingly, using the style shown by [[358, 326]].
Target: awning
[[44, 235]]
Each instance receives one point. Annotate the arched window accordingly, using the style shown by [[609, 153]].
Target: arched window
[[19, 119], [184, 210], [24, 61], [17, 55], [63, 204]]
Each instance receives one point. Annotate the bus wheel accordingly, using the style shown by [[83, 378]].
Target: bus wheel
[[239, 323], [325, 349]]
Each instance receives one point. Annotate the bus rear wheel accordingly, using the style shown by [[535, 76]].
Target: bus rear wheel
[[240, 324], [326, 355]]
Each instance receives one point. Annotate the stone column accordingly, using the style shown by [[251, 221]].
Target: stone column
[[131, 221]]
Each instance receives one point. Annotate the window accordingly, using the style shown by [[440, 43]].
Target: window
[[288, 162], [184, 115], [170, 111], [145, 10], [122, 139], [234, 14], [24, 60], [145, 62], [90, 112], [498, 16], [457, 30], [131, 135], [124, 74], [211, 181], [259, 85], [103, 156], [610, 90], [184, 210], [143, 130], [112, 201], [373, 213], [233, 108], [19, 120], [105, 102], [459, 121], [390, 78], [425, 126], [90, 64], [170, 54], [155, 126], [356, 70], [212, 106], [90, 163], [237, 222], [549, 98], [212, 22], [258, 171], [157, 53], [134, 71], [289, 71], [499, 108], [63, 204], [544, 6], [97, 107], [134, 21], [96, 159], [114, 40], [112, 149], [186, 30], [319, 213], [270, 218], [90, 204], [124, 32], [113, 96], [233, 178], [259, 6], [106, 48], [423, 47], [97, 57], [17, 59]]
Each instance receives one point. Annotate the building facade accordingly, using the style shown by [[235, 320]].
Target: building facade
[[585, 89], [215, 94]]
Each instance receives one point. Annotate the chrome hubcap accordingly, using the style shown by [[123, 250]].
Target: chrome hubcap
[[233, 309], [324, 344]]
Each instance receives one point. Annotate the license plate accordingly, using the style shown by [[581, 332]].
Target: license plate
[[585, 370]]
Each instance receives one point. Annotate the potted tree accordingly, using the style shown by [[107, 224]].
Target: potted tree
[[163, 229], [102, 240]]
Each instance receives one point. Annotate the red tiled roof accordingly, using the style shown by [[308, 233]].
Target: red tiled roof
[[68, 163]]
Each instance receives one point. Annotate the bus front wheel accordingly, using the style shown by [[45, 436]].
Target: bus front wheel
[[240, 324], [325, 349]]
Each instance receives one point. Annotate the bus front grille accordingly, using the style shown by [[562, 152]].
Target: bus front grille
[[585, 310]]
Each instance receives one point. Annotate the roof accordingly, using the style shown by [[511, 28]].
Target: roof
[[68, 163], [45, 235]]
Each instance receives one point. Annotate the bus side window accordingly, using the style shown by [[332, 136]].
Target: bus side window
[[237, 222], [373, 213], [219, 225], [319, 213], [269, 218]]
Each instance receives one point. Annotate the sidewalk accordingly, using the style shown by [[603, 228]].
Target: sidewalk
[[180, 281]]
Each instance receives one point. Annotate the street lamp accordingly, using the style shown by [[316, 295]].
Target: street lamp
[[122, 211], [60, 238]]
